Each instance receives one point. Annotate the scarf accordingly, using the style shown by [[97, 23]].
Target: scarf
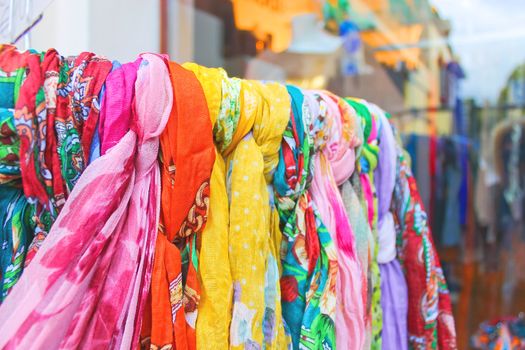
[[384, 178], [308, 296], [187, 163], [394, 294], [430, 320], [366, 166], [215, 307], [263, 111], [353, 199], [55, 116], [16, 233], [90, 278], [115, 113], [335, 142], [41, 149]]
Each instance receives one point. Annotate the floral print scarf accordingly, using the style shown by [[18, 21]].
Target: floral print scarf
[[308, 272]]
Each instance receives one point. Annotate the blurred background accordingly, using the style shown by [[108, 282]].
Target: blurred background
[[450, 72]]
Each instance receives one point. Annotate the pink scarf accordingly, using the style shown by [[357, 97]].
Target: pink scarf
[[338, 149], [116, 111], [89, 280]]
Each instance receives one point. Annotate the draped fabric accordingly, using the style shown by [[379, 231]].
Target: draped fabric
[[50, 129], [16, 232], [215, 307], [88, 283], [187, 163], [430, 320], [394, 294], [263, 112], [366, 166], [334, 142], [157, 206], [309, 274], [394, 302], [115, 111], [55, 117]]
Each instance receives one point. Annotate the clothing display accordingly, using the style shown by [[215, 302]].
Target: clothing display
[[445, 205], [152, 205]]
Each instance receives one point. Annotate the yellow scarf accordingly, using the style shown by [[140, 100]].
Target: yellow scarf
[[254, 229], [214, 316], [239, 250]]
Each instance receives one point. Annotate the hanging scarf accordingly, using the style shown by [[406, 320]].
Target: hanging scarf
[[187, 163], [334, 142], [394, 294], [90, 278], [215, 307], [259, 117], [355, 206], [366, 166], [16, 232], [350, 191], [308, 301], [430, 320], [115, 113], [55, 116]]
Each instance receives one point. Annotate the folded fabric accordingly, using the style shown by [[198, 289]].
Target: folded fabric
[[89, 280], [215, 306], [430, 320], [394, 301], [115, 112], [187, 162], [333, 139], [308, 296], [256, 311], [367, 163]]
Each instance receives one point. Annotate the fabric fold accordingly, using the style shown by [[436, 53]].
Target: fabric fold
[[187, 163], [92, 271]]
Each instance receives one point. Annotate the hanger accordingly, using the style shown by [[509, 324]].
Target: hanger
[[16, 34]]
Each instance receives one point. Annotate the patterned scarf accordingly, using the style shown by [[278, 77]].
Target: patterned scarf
[[307, 299], [334, 142], [264, 112], [430, 320], [55, 116], [115, 113], [187, 163], [366, 166], [42, 148], [394, 294], [215, 307], [90, 278], [16, 232]]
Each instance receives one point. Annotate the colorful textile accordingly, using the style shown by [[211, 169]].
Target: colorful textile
[[430, 320], [334, 141], [308, 297], [506, 333], [115, 113], [55, 116], [215, 306], [16, 232], [15, 236], [366, 166], [394, 294], [10, 83], [89, 281], [394, 302], [187, 162], [256, 315], [209, 216]]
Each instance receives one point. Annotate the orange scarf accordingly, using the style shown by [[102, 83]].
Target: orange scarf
[[187, 162]]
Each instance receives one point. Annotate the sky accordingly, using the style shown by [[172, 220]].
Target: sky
[[488, 37]]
